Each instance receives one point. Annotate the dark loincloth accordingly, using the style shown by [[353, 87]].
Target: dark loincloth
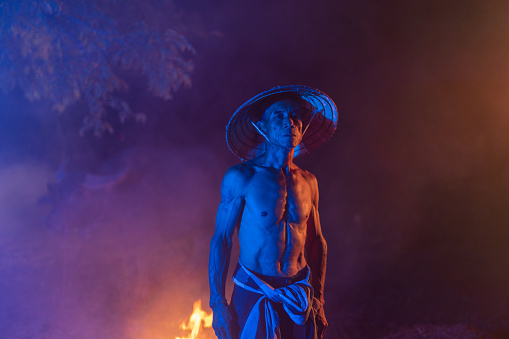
[[272, 307]]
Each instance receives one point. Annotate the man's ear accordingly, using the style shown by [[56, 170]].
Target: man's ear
[[259, 127]]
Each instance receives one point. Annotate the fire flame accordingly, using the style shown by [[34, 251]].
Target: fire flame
[[195, 321]]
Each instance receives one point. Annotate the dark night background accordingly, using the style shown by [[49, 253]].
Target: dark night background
[[414, 184]]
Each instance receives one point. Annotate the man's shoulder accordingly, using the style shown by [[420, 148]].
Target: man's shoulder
[[310, 177], [238, 174]]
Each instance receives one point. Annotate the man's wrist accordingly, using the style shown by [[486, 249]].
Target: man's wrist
[[320, 298], [317, 303]]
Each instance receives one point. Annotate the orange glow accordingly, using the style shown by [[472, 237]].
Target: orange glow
[[198, 317]]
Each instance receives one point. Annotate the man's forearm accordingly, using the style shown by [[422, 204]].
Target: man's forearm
[[317, 260], [219, 260]]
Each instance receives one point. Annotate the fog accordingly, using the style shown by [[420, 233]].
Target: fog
[[414, 184]]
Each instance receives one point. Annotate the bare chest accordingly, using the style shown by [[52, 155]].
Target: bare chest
[[273, 198]]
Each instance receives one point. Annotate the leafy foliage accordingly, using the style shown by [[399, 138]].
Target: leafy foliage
[[75, 51]]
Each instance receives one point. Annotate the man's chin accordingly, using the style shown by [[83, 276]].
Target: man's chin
[[290, 147], [286, 146], [289, 142], [296, 142]]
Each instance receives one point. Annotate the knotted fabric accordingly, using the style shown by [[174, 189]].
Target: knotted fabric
[[294, 297]]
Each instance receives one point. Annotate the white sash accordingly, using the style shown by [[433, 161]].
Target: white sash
[[294, 298]]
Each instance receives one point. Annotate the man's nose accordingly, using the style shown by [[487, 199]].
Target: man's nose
[[288, 122]]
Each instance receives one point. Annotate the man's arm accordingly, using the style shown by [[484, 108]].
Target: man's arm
[[316, 257], [227, 218]]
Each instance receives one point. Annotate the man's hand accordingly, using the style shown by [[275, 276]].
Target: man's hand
[[320, 321], [222, 320]]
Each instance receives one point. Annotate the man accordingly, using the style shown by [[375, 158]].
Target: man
[[273, 204]]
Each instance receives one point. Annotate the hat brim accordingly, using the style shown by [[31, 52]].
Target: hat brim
[[246, 143]]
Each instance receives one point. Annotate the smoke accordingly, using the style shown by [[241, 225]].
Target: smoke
[[413, 185], [126, 258]]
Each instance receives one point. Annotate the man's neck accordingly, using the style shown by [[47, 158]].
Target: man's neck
[[279, 158]]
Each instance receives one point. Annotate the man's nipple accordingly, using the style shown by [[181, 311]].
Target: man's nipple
[[264, 214]]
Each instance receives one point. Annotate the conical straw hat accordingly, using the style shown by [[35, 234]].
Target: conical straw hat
[[320, 115]]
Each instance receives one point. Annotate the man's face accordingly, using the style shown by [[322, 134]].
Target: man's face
[[282, 124]]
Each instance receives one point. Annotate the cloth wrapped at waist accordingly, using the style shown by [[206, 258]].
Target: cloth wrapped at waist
[[295, 295]]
